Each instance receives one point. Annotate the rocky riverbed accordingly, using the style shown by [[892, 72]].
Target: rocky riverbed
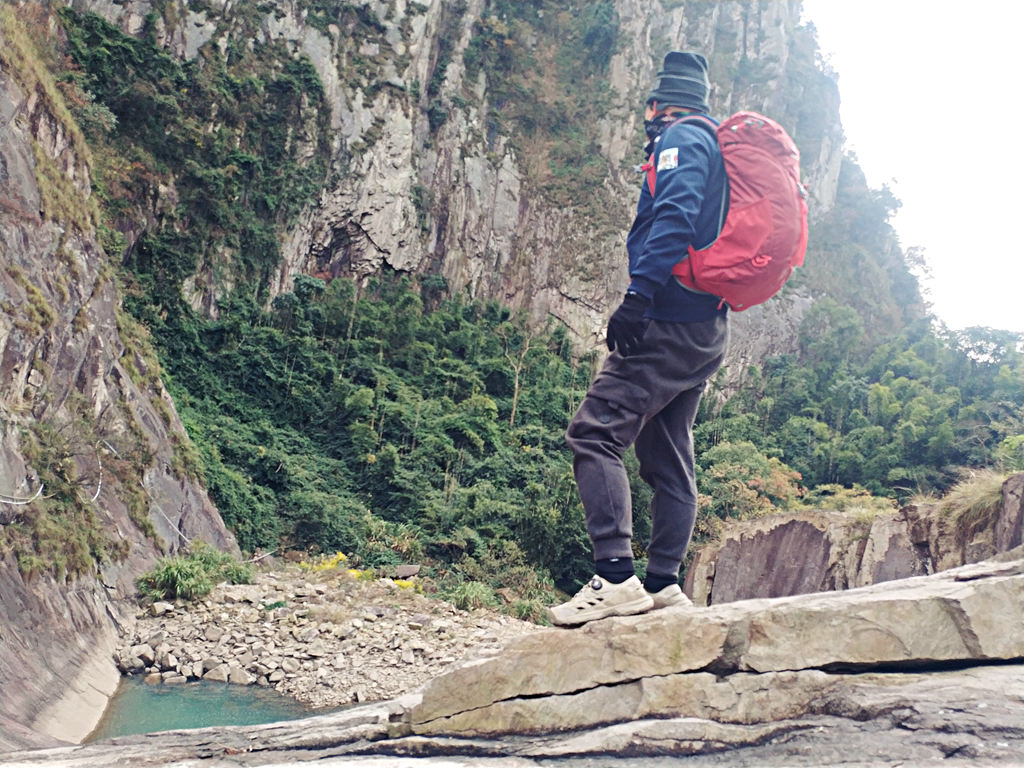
[[328, 638]]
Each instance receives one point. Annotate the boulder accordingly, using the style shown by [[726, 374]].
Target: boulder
[[144, 652], [218, 674], [751, 661], [238, 676], [161, 607]]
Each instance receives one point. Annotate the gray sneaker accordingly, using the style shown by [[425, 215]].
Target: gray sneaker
[[599, 599], [671, 596]]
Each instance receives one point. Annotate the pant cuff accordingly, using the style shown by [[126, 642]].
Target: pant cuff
[[605, 548]]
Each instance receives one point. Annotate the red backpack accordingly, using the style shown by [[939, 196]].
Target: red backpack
[[764, 235]]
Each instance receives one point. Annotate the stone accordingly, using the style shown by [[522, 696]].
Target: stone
[[316, 649], [238, 676], [699, 663], [156, 639], [406, 571], [1008, 532], [218, 674], [130, 665], [246, 658], [814, 551], [213, 633], [160, 607], [972, 716], [144, 652], [740, 691]]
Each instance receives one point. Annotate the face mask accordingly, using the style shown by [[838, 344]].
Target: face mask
[[653, 129], [655, 126]]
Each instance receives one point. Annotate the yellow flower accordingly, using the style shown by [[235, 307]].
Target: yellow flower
[[326, 563]]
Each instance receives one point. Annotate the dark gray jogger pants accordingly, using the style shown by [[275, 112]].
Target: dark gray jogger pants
[[649, 399]]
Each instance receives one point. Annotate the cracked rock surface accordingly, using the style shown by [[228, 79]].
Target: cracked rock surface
[[920, 672], [743, 662]]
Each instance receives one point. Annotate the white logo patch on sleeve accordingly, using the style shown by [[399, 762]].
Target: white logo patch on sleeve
[[668, 159]]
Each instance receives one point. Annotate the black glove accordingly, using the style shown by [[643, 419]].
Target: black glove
[[627, 325]]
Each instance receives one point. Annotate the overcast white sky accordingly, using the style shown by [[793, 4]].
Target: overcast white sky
[[931, 105]]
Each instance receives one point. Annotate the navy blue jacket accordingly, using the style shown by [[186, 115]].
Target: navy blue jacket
[[684, 211]]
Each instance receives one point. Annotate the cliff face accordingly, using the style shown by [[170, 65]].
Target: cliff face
[[87, 431], [431, 174]]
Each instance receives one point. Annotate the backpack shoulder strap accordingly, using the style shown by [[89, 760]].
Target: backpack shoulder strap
[[706, 122], [652, 173]]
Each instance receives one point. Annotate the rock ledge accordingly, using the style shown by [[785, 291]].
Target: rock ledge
[[939, 678]]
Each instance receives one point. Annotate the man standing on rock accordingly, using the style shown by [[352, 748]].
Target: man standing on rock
[[665, 341]]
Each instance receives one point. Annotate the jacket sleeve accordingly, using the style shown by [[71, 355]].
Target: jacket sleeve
[[683, 161]]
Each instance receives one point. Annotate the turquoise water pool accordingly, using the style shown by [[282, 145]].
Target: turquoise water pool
[[141, 708]]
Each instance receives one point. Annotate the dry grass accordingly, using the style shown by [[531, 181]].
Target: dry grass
[[973, 503], [982, 490]]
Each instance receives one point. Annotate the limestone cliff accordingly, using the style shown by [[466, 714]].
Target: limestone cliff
[[86, 431], [429, 178]]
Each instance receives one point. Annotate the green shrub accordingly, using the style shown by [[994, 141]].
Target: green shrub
[[193, 575], [470, 595], [529, 610]]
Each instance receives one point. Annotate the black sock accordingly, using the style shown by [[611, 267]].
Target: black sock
[[615, 569], [654, 582]]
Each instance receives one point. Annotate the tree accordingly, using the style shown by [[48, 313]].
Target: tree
[[742, 482]]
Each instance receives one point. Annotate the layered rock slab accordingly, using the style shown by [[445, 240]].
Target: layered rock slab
[[733, 663]]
